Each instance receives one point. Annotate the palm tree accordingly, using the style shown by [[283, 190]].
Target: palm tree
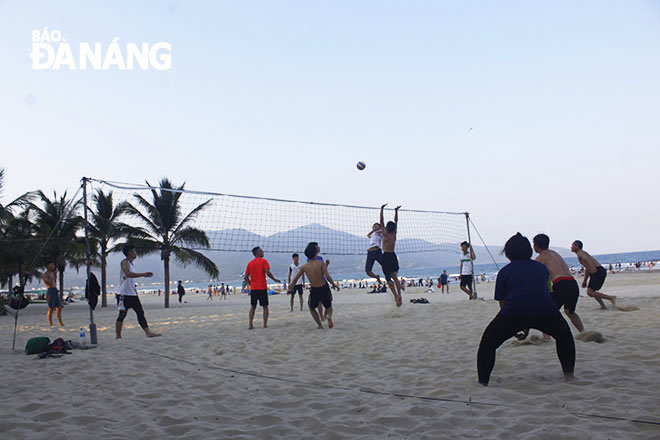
[[57, 223], [104, 227], [13, 231], [167, 231]]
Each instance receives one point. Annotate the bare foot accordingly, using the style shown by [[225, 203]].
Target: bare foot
[[152, 335], [251, 328], [61, 324], [118, 337], [320, 327], [265, 326], [399, 301], [613, 300], [568, 377], [330, 323]]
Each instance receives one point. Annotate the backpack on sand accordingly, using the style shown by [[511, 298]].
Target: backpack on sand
[[37, 345]]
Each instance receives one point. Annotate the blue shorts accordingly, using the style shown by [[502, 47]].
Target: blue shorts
[[53, 297]]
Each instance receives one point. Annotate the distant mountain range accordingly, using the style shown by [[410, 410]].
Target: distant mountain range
[[332, 242]]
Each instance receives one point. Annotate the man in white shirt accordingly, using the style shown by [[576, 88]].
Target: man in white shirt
[[374, 253], [128, 297], [466, 272], [294, 268]]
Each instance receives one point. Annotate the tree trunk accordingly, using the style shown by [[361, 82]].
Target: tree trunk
[[166, 262], [62, 286], [104, 277]]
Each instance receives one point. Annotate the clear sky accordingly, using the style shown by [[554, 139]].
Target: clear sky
[[282, 98]]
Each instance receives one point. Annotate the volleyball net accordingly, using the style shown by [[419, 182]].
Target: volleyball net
[[237, 223]]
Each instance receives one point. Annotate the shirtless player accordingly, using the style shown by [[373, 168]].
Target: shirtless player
[[390, 262], [593, 270], [317, 273], [565, 290]]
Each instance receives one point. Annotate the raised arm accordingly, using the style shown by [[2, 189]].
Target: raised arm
[[382, 219], [396, 214]]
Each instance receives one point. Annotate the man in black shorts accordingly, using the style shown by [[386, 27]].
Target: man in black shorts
[[565, 290], [255, 277], [374, 253], [294, 268], [466, 269], [594, 273], [317, 273], [390, 262]]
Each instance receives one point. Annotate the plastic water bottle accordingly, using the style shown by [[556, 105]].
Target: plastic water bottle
[[82, 335]]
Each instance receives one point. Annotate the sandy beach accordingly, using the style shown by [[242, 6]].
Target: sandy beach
[[380, 373]]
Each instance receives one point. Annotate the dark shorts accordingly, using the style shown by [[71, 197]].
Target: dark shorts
[[260, 296], [298, 288], [596, 280], [565, 293], [320, 295], [53, 298], [444, 282], [390, 264], [466, 280], [372, 257]]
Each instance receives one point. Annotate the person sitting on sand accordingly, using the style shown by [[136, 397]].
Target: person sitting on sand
[[565, 290], [317, 274], [255, 277], [390, 262], [594, 273], [128, 296], [522, 290]]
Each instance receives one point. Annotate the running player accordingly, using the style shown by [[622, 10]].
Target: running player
[[594, 273]]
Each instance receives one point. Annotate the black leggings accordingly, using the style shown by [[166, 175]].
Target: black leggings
[[500, 329], [133, 302]]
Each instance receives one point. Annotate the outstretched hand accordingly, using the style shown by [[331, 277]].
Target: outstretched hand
[[383, 206], [397, 208]]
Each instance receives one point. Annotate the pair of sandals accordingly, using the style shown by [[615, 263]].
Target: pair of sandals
[[420, 301]]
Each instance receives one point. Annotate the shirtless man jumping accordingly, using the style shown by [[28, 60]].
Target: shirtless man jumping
[[390, 262], [317, 273], [565, 290], [593, 270]]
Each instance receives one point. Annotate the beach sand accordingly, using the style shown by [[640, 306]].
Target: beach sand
[[382, 372]]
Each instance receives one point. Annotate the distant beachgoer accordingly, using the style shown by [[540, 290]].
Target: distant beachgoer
[[255, 277], [181, 291], [374, 253], [522, 290], [466, 269], [444, 281], [223, 291], [594, 273], [317, 273], [128, 296], [209, 292], [565, 290], [294, 268], [52, 294], [390, 262]]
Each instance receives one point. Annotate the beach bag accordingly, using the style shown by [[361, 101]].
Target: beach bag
[[37, 345], [17, 300], [92, 290]]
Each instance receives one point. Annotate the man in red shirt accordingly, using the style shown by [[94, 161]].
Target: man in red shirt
[[255, 275]]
